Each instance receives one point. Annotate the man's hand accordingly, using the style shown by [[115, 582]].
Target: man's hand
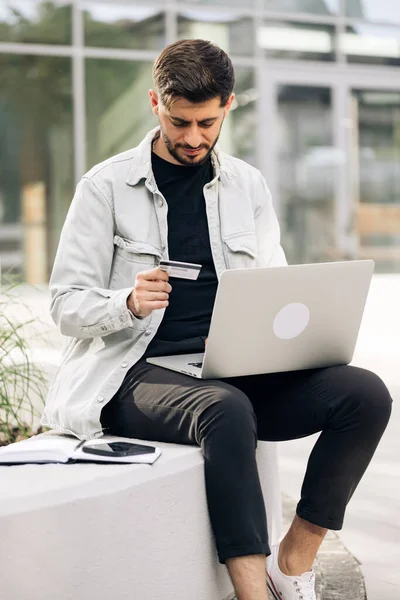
[[151, 292]]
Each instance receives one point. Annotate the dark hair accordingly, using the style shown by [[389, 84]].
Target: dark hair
[[196, 70]]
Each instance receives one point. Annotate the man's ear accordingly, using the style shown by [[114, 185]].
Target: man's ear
[[228, 105], [154, 102]]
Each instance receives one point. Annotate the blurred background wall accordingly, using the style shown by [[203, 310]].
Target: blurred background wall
[[317, 110]]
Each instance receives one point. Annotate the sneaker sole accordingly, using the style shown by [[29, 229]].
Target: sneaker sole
[[272, 588]]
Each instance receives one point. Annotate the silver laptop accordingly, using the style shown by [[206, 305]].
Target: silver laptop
[[281, 319]]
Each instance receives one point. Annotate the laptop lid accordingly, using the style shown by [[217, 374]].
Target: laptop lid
[[276, 319]]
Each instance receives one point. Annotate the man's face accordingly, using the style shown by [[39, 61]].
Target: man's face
[[189, 131]]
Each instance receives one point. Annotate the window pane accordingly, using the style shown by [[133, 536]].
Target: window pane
[[376, 150], [318, 7], [123, 26], [118, 113], [36, 160], [298, 41], [35, 22], [308, 165], [239, 132], [231, 32], [374, 10], [372, 44]]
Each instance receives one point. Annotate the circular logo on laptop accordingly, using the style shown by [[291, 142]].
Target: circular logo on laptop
[[291, 320]]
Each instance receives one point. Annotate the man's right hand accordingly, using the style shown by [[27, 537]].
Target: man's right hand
[[151, 292]]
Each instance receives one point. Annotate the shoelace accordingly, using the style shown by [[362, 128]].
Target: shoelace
[[306, 591]]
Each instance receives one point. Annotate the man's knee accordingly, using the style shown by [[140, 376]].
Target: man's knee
[[369, 396]]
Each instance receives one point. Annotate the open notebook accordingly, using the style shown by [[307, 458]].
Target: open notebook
[[61, 448]]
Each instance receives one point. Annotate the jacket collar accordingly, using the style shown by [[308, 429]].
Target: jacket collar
[[141, 161]]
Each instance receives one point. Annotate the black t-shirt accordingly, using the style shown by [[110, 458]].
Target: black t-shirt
[[187, 318]]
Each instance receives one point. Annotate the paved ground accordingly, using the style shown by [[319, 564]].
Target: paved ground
[[372, 526]]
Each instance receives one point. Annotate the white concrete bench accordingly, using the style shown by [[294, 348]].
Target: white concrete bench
[[110, 532]]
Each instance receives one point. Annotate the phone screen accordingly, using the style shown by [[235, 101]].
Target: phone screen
[[118, 449]]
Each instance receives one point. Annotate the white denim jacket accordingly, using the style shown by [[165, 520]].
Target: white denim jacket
[[117, 226]]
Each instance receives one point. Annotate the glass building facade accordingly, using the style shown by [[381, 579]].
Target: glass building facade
[[317, 110]]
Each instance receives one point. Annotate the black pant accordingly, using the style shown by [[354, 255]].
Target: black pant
[[350, 406]]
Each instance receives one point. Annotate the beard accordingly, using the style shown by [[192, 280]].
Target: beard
[[183, 159]]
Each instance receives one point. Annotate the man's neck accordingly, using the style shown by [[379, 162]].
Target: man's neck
[[160, 149]]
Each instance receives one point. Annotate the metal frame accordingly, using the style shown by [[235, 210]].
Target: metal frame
[[78, 93], [341, 79]]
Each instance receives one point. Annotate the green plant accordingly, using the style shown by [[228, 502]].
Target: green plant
[[22, 382]]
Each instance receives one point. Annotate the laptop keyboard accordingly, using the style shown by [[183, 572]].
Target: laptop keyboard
[[198, 364]]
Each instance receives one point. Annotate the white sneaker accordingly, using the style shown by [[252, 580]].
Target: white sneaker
[[286, 587]]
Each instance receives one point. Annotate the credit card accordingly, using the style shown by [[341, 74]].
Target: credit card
[[184, 270]]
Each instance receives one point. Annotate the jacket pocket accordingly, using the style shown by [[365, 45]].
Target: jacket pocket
[[240, 250], [136, 251], [131, 257]]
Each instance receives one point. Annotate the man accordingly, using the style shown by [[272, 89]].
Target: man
[[178, 196]]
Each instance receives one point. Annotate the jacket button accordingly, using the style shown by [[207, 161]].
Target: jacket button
[[100, 398], [160, 202], [123, 365], [148, 332]]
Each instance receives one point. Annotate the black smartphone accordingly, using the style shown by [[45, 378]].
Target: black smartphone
[[118, 449]]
